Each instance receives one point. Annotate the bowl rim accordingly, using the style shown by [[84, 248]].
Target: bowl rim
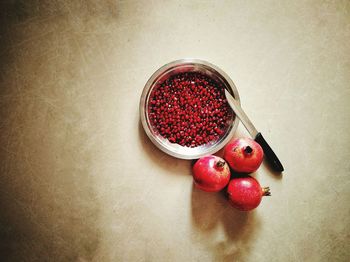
[[181, 62]]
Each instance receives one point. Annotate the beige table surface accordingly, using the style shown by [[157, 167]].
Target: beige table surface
[[79, 179]]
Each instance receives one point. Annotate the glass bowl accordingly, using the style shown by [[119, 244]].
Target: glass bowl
[[176, 67]]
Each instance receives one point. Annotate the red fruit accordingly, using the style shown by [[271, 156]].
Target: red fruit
[[211, 173], [244, 155], [245, 193]]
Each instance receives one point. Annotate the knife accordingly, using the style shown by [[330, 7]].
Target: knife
[[258, 137]]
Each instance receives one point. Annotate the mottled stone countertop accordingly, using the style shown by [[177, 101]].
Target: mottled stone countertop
[[80, 180]]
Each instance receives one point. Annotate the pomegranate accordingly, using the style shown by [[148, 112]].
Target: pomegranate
[[244, 155], [245, 193], [211, 173]]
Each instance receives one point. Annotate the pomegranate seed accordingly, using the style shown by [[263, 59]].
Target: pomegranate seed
[[189, 109]]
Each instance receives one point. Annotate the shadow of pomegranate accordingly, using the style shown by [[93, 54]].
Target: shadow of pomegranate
[[163, 160], [224, 230]]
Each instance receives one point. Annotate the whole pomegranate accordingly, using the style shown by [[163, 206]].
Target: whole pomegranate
[[244, 155], [211, 173], [245, 193]]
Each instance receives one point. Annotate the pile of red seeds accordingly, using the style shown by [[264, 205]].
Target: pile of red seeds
[[189, 109]]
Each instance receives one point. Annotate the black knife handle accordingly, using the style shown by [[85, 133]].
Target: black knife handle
[[269, 154]]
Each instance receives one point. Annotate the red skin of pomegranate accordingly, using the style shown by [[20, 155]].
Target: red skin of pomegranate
[[245, 193], [211, 173], [244, 155]]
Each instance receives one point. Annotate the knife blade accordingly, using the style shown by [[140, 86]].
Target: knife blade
[[268, 152]]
